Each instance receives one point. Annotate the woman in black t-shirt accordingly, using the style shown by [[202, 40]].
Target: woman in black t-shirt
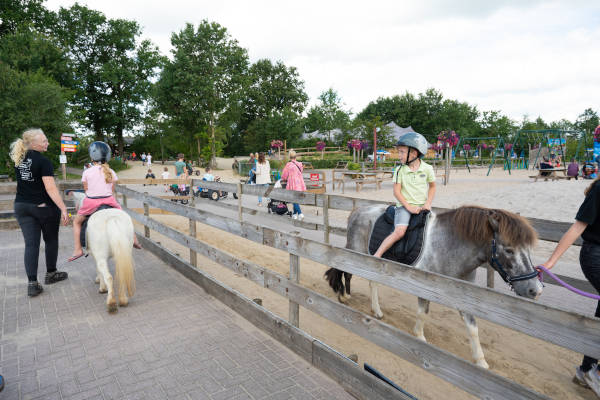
[[587, 224], [38, 206]]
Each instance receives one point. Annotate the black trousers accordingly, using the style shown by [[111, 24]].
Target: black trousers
[[34, 220], [589, 258]]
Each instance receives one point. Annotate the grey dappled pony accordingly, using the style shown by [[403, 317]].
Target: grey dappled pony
[[457, 242]]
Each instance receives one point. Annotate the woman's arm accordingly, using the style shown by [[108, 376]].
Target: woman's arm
[[565, 242], [52, 190]]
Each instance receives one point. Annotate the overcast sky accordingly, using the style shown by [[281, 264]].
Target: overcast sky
[[519, 57]]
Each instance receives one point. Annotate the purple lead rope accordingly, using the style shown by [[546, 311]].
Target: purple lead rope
[[566, 285]]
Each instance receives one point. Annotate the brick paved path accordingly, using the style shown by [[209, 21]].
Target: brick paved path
[[173, 341]]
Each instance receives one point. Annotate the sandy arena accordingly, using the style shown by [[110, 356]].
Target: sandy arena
[[541, 366]]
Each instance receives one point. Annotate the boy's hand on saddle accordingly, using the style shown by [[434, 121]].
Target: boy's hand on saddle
[[413, 209], [426, 207]]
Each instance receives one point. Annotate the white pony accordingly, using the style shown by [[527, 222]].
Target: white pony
[[110, 233]]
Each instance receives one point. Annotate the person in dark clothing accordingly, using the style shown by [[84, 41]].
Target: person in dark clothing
[[545, 165], [587, 225], [39, 208]]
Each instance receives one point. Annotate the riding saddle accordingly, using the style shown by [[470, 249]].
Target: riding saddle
[[85, 221], [407, 249]]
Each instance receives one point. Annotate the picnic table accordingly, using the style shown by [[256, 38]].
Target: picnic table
[[364, 178], [550, 173]]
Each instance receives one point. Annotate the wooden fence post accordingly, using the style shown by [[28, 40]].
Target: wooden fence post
[[193, 254], [147, 214], [490, 276], [239, 194], [326, 218], [294, 277]]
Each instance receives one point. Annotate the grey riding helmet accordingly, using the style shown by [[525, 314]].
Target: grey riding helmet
[[99, 151], [416, 141]]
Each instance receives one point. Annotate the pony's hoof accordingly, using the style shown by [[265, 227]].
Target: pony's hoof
[[378, 315], [482, 363], [105, 290], [123, 303], [343, 298], [97, 280], [422, 338], [112, 308]]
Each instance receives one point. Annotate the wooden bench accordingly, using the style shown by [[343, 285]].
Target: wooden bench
[[5, 178], [341, 165], [361, 182], [307, 165]]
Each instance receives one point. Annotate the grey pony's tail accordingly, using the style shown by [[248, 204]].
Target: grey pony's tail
[[334, 278]]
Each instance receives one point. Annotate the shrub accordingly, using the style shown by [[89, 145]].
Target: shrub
[[353, 166]]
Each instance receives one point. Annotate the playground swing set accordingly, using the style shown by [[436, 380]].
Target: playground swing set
[[536, 143]]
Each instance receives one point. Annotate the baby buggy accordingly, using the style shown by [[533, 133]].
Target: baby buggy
[[180, 190], [277, 206], [212, 194]]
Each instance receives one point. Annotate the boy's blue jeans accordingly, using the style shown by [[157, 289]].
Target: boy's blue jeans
[[297, 209]]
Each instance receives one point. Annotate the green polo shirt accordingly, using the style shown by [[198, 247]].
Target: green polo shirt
[[415, 185]]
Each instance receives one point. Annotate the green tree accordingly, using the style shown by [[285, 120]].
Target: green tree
[[30, 100], [493, 123], [16, 14], [587, 121], [328, 114], [273, 102], [203, 80], [112, 73], [30, 51]]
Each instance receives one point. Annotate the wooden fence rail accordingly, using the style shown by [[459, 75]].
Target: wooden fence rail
[[467, 376], [547, 230], [564, 328]]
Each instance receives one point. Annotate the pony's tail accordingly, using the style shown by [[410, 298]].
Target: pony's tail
[[334, 277], [121, 248]]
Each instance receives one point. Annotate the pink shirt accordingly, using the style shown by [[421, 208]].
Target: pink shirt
[[96, 183], [292, 173]]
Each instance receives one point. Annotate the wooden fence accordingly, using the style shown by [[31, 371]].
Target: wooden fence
[[547, 230], [564, 328]]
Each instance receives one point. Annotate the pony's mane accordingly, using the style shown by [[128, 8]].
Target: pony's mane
[[472, 223]]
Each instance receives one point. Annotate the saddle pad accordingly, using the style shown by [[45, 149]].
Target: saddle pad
[[407, 249], [85, 221]]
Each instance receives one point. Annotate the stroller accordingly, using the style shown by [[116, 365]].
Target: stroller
[[278, 207], [180, 190], [215, 195]]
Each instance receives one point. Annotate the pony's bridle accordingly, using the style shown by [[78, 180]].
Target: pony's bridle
[[497, 265]]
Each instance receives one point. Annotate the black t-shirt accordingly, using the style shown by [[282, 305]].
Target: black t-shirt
[[30, 187], [589, 212]]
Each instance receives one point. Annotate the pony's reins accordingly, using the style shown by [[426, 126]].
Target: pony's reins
[[541, 269]]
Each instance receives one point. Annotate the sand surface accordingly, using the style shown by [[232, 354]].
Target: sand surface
[[541, 366]]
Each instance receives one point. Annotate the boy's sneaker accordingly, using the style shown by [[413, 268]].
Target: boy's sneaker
[[588, 379], [295, 216], [56, 276], [300, 217], [34, 288]]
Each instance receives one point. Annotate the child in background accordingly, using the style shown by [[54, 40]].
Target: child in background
[[165, 175]]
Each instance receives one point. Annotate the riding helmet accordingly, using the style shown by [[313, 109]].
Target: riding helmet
[[100, 151], [414, 140]]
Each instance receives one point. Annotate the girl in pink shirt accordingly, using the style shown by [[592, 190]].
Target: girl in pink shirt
[[98, 183]]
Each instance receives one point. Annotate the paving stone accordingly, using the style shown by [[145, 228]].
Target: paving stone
[[174, 341]]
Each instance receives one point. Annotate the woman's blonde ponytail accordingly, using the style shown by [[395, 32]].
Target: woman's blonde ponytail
[[108, 178], [19, 147], [17, 151]]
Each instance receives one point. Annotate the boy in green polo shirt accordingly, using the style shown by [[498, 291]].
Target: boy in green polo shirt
[[414, 186]]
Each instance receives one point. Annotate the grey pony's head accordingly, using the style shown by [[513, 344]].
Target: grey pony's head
[[514, 239]]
